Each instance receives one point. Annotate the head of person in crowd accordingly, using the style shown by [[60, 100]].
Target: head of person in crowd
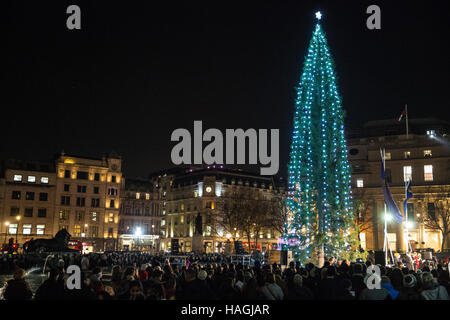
[[297, 280], [19, 274], [128, 274], [409, 281], [428, 280], [135, 291], [190, 275]]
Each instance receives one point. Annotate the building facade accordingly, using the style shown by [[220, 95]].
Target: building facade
[[422, 155], [79, 194], [27, 200], [139, 216], [88, 199], [192, 192]]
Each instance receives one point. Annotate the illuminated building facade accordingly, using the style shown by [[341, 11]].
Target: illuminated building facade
[[424, 156], [187, 192], [139, 216]]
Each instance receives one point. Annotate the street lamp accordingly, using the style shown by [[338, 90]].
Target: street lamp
[[388, 217], [6, 229], [138, 233], [18, 224]]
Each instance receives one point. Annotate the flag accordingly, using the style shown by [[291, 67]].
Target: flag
[[391, 206], [408, 193], [402, 115]]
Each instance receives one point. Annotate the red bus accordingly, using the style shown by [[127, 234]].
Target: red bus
[[75, 244]]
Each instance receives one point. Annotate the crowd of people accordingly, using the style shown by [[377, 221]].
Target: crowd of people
[[140, 276]]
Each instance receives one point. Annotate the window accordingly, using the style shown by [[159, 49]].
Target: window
[[410, 208], [12, 228], [14, 211], [431, 132], [94, 216], [17, 177], [28, 212], [163, 223], [65, 200], [112, 203], [44, 180], [428, 172], [66, 173], [95, 202], [64, 214], [26, 229], [40, 229], [360, 183], [96, 190], [407, 173], [431, 211], [77, 230], [93, 231], [79, 216], [113, 179], [195, 194], [82, 175], [43, 196], [81, 189], [66, 187], [147, 196], [113, 192], [138, 195], [407, 154], [111, 217], [427, 153], [32, 179], [29, 196], [42, 213], [81, 202], [97, 176], [387, 156], [388, 174], [15, 195]]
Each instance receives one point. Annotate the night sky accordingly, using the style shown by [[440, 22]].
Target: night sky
[[136, 71]]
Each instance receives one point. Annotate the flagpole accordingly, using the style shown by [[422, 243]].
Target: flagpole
[[386, 240], [407, 131], [406, 211]]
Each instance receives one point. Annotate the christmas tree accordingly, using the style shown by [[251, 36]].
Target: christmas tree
[[320, 217]]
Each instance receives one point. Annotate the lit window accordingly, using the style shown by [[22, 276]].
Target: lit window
[[407, 173], [138, 195], [163, 223], [17, 177], [32, 179], [111, 217], [360, 183], [407, 154], [427, 153], [147, 196], [428, 172], [27, 228], [12, 228], [77, 230], [195, 194], [40, 229], [387, 156], [431, 132], [44, 180]]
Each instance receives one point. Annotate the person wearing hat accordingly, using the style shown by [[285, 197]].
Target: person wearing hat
[[409, 290], [18, 288]]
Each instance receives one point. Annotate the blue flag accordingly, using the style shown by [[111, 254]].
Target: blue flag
[[409, 195], [391, 206], [383, 175]]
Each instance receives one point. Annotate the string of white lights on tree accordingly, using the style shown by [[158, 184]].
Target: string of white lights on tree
[[319, 200]]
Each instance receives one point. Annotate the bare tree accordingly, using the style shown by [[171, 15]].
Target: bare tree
[[437, 217]]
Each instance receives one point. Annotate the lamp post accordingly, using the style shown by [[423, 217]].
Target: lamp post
[[18, 225], [6, 229]]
